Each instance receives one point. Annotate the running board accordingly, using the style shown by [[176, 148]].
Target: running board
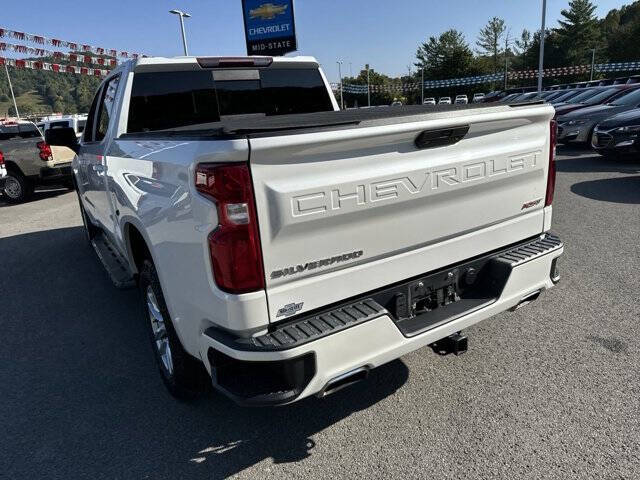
[[114, 264]]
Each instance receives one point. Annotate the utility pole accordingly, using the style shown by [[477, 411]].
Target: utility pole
[[593, 61], [542, 35], [15, 105], [422, 85], [182, 15], [350, 70], [506, 59], [368, 87], [340, 62]]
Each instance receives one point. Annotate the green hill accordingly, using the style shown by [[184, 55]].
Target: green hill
[[40, 91]]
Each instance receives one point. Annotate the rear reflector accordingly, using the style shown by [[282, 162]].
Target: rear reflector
[[232, 62], [234, 246], [551, 176]]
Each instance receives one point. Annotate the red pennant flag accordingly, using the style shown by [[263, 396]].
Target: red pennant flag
[[73, 57], [100, 61], [113, 62], [55, 67], [86, 48], [2, 61], [73, 46], [20, 63], [84, 70], [87, 59], [19, 35], [56, 43], [97, 72]]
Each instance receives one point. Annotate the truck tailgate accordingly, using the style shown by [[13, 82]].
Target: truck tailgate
[[348, 210]]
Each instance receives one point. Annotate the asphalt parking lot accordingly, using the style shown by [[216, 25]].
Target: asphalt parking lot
[[550, 391]]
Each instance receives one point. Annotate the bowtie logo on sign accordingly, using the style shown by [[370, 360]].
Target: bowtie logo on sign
[[269, 27], [268, 11]]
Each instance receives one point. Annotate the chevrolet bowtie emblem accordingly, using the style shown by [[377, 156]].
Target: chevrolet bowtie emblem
[[267, 11]]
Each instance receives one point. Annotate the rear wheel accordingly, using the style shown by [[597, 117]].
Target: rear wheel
[[182, 374], [16, 187]]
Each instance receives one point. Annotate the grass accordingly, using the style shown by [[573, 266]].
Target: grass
[[27, 102]]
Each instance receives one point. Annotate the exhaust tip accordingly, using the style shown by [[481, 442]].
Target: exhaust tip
[[343, 381]]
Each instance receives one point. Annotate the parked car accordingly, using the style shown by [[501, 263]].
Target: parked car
[[77, 122], [461, 100], [29, 161], [444, 101], [618, 135], [478, 97], [429, 101], [577, 127], [256, 259], [599, 96]]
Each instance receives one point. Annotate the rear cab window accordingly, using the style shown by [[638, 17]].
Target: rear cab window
[[167, 100]]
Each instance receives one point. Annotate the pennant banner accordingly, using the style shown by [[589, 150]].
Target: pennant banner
[[52, 67], [71, 57], [76, 46], [480, 79]]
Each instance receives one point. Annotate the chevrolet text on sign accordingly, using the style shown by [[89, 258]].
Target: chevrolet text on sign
[[269, 27]]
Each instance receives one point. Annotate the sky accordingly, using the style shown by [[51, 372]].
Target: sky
[[383, 33]]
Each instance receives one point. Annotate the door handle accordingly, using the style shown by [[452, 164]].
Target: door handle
[[441, 137]]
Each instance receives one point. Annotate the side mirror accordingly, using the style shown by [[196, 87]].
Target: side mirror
[[62, 137]]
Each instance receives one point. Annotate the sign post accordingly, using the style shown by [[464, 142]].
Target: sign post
[[269, 27]]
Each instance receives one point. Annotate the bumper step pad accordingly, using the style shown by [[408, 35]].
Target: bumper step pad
[[529, 251], [305, 330]]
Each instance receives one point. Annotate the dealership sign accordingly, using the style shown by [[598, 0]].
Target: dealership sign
[[269, 27]]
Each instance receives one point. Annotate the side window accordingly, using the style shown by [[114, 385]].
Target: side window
[[106, 108], [88, 131]]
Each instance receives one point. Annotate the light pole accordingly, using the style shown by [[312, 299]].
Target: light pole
[[542, 35], [340, 62], [182, 15], [15, 105], [593, 61], [368, 88], [422, 85]]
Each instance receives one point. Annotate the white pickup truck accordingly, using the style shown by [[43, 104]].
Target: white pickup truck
[[289, 247]]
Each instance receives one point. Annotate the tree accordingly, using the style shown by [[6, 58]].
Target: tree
[[490, 40], [446, 56], [579, 32], [522, 45]]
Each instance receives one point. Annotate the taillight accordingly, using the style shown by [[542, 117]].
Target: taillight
[[551, 176], [45, 151], [1, 158], [234, 246]]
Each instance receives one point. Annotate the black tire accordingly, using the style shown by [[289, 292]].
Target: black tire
[[16, 188], [187, 377]]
